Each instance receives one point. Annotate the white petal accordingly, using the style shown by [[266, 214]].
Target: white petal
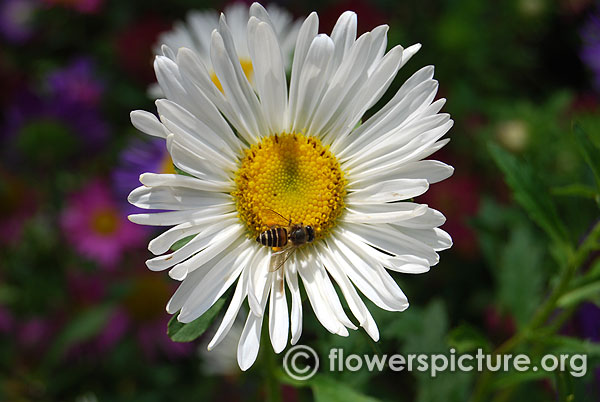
[[403, 112], [269, 72], [370, 92], [341, 89], [206, 225], [279, 321], [208, 101], [291, 276], [435, 238], [232, 310], [229, 237], [177, 180], [363, 274], [235, 92], [357, 306], [250, 339], [190, 160], [430, 219], [147, 123], [319, 303], [404, 153], [388, 191], [312, 81], [392, 241], [430, 170], [409, 52], [249, 342], [213, 285], [176, 198], [185, 123], [343, 35], [258, 279], [382, 213], [176, 217], [387, 117], [307, 33]]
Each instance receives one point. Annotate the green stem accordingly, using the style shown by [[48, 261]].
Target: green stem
[[272, 385], [575, 261]]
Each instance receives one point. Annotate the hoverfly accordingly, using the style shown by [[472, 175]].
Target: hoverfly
[[284, 235]]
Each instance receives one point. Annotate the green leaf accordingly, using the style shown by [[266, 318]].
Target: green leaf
[[571, 346], [467, 338], [591, 291], [81, 328], [327, 390], [575, 190], [512, 378], [530, 193], [182, 242], [590, 153], [520, 275], [180, 332]]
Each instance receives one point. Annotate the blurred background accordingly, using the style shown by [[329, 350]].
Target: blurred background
[[81, 317]]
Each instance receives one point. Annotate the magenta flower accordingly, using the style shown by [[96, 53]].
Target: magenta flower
[[16, 19], [94, 225], [76, 84], [82, 6], [144, 319]]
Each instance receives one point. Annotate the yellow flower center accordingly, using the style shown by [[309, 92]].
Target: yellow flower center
[[146, 299], [294, 176], [246, 67], [104, 221], [166, 165]]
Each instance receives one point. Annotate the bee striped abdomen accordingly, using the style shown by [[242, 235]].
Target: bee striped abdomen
[[274, 237]]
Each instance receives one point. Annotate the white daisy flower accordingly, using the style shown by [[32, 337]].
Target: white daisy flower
[[195, 34], [301, 153]]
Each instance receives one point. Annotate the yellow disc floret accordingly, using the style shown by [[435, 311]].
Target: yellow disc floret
[[294, 176], [246, 68]]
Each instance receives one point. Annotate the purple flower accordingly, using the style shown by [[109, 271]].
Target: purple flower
[[144, 319], [34, 334], [82, 6], [590, 51], [76, 84], [141, 156], [50, 131], [16, 19], [94, 226], [7, 321]]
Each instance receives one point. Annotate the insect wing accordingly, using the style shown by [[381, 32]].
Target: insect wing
[[272, 218], [279, 258]]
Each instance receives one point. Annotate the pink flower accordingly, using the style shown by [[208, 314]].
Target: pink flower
[[143, 319], [82, 6], [94, 226]]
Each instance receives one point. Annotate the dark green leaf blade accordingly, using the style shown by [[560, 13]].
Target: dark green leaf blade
[[590, 153], [327, 390], [530, 193], [180, 332]]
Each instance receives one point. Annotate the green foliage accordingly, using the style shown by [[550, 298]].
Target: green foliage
[[529, 191], [327, 390], [424, 331], [180, 332], [589, 152], [520, 274], [81, 328], [590, 291], [467, 338]]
